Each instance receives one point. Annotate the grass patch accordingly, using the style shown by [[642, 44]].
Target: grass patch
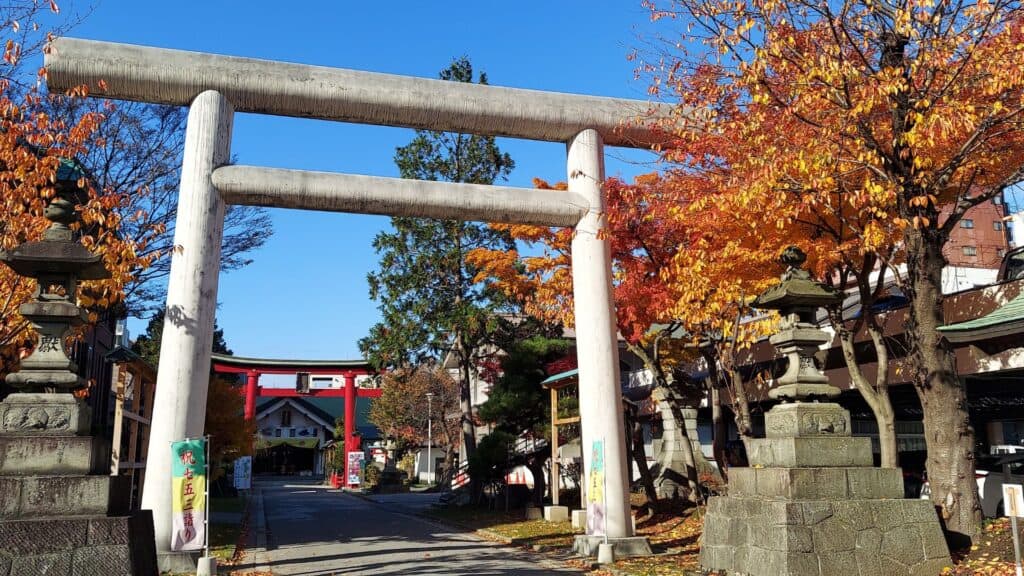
[[512, 524], [223, 539]]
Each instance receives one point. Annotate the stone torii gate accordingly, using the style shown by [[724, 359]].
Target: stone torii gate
[[215, 87]]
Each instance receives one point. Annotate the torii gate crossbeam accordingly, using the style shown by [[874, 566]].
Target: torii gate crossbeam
[[215, 87]]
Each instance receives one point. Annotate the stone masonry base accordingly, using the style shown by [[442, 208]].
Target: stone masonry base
[[586, 546], [856, 537], [78, 546]]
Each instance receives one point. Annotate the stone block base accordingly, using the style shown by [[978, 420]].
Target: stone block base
[[29, 413], [807, 419], [177, 562], [27, 497], [857, 537], [79, 546], [586, 546], [823, 451], [579, 519], [25, 454], [533, 513], [556, 513], [816, 483]]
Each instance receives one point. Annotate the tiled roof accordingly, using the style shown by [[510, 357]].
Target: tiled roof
[[1002, 319]]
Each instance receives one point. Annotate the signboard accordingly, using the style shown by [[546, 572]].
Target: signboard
[[595, 491], [188, 495], [355, 468], [1013, 504], [379, 455], [243, 473], [1013, 500]]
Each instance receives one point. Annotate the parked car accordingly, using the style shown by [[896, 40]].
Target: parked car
[[992, 472]]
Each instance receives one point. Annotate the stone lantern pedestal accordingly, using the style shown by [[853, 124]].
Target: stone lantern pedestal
[[811, 503], [61, 513]]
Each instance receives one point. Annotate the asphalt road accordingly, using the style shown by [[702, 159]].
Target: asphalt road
[[312, 530]]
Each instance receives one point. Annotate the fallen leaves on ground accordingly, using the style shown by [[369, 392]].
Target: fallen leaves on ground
[[674, 533], [537, 532], [510, 525], [991, 555]]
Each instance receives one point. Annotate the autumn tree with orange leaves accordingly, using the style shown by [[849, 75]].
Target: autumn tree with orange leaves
[[36, 156], [401, 412], [895, 108], [644, 241]]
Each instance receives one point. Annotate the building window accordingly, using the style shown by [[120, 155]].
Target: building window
[[286, 418], [997, 226], [970, 251], [967, 223]]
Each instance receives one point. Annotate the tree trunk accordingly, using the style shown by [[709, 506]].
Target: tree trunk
[[720, 430], [448, 467], [466, 401], [875, 396], [741, 407], [635, 433], [948, 432], [536, 467]]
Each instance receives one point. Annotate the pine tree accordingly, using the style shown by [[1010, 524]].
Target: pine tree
[[430, 306]]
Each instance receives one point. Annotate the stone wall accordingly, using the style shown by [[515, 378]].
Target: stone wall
[[82, 546], [757, 536]]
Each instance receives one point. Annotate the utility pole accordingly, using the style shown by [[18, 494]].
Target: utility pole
[[430, 437]]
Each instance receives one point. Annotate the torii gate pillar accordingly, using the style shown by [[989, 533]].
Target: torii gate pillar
[[351, 443], [597, 352], [252, 386], [191, 305]]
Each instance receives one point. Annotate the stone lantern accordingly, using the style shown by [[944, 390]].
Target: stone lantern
[[797, 298], [47, 378], [811, 503], [61, 512]]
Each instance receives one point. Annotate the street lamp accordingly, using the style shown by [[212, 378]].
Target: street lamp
[[430, 437]]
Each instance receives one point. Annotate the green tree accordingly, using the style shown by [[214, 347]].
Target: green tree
[[518, 405], [424, 286]]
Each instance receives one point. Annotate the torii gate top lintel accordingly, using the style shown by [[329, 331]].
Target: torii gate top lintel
[[176, 77], [240, 364]]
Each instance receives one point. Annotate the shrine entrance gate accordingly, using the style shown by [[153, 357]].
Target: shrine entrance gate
[[215, 87]]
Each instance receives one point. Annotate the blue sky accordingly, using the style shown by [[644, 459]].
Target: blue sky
[[305, 295]]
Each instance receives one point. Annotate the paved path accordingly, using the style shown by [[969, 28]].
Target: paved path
[[312, 530]]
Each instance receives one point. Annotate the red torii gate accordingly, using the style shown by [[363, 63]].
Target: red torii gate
[[253, 368]]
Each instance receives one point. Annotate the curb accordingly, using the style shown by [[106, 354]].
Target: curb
[[257, 549]]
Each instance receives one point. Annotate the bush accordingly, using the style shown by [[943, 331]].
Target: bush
[[491, 457], [408, 465], [372, 476]]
